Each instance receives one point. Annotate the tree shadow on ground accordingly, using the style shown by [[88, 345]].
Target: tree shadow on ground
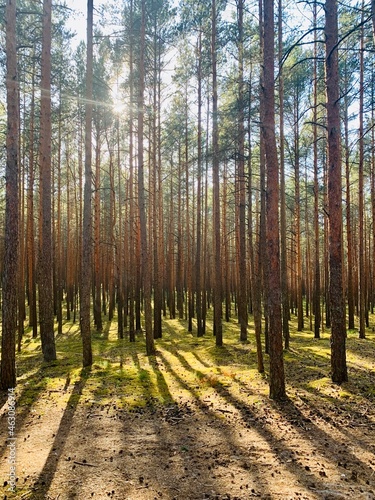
[[33, 386], [44, 481], [215, 421], [161, 382], [200, 360], [325, 444], [315, 372], [3, 399]]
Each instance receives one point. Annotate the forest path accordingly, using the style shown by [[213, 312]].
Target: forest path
[[206, 429]]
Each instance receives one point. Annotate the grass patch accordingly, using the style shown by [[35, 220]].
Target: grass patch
[[187, 367], [221, 381]]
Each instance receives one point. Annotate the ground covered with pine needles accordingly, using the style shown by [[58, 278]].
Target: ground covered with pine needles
[[194, 422]]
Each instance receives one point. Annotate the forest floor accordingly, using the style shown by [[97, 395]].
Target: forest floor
[[194, 422]]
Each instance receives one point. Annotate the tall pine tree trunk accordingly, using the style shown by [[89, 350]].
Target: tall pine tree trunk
[[132, 209], [218, 329], [9, 305], [242, 269], [316, 299], [97, 285], [361, 215], [338, 330], [157, 190], [46, 312], [283, 241], [21, 249], [86, 271], [297, 212], [277, 378], [30, 225], [262, 251], [146, 278], [198, 277]]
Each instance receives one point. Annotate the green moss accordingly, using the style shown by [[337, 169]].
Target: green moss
[[186, 367], [143, 376], [321, 384], [344, 394]]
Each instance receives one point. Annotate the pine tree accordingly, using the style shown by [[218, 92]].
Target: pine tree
[[11, 243], [338, 331]]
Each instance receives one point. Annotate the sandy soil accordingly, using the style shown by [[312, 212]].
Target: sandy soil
[[219, 446]]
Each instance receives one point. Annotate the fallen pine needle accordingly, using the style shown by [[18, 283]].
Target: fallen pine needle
[[85, 464]]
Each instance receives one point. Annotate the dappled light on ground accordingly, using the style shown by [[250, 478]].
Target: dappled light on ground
[[193, 422]]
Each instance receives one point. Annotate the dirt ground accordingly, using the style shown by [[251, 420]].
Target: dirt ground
[[216, 448], [214, 436]]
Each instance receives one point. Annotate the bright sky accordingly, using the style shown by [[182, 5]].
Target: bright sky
[[77, 21]]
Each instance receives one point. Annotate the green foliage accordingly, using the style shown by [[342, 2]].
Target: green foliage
[[186, 366]]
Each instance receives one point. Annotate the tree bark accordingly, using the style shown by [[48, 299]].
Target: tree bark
[[46, 312], [338, 330], [132, 209], [97, 254], [157, 226], [218, 330], [30, 225], [10, 283], [198, 277], [361, 216], [21, 248], [262, 250], [58, 230], [277, 377], [316, 298], [146, 278], [86, 261], [297, 211], [283, 241], [242, 269]]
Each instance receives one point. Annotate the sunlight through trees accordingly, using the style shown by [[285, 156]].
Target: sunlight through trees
[[188, 160]]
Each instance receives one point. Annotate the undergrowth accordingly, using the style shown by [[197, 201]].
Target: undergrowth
[[187, 366], [188, 370]]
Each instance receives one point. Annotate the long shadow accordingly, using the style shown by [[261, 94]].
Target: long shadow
[[291, 412], [25, 400], [103, 348], [297, 420], [70, 328], [106, 329], [3, 399], [200, 360], [161, 382], [136, 362], [161, 435], [245, 353], [311, 373], [207, 411], [203, 406], [319, 367], [48, 472], [314, 366], [150, 391], [314, 372], [344, 429]]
